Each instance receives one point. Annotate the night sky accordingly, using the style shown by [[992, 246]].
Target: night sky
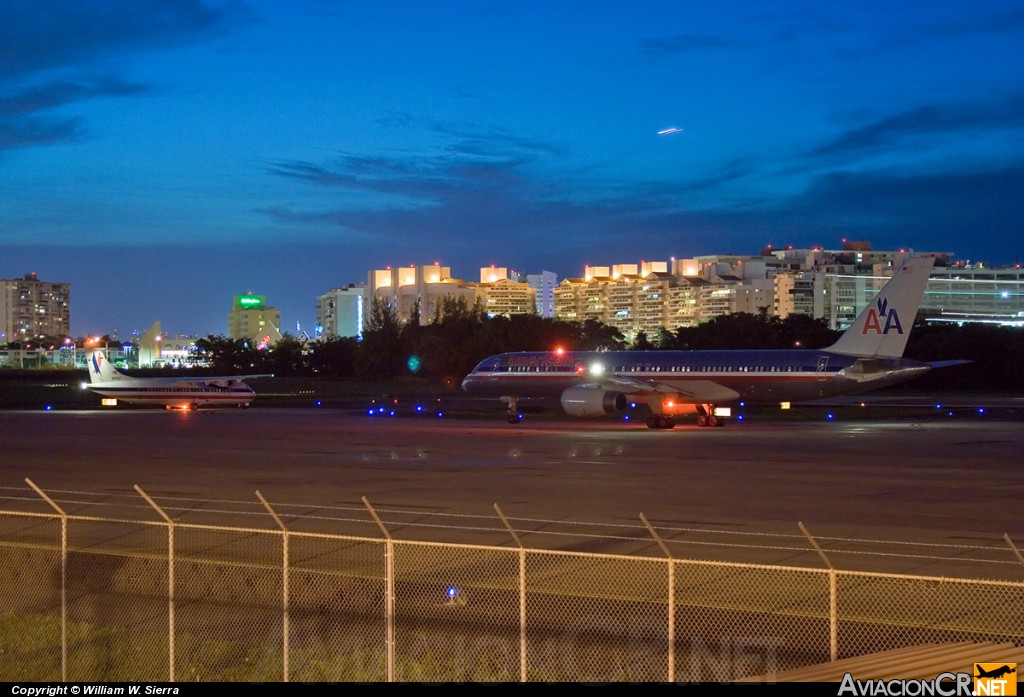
[[162, 156]]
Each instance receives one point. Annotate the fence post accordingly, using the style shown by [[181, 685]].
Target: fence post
[[170, 580], [522, 595], [63, 579], [389, 591], [1016, 551], [284, 585], [671, 599], [833, 593]]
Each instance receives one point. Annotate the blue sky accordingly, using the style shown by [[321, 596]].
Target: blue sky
[[163, 156]]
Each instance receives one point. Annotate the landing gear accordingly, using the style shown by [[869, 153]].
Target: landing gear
[[513, 414], [193, 406], [707, 417], [660, 421]]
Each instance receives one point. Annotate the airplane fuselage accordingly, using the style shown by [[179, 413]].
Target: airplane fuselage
[[183, 393], [765, 376]]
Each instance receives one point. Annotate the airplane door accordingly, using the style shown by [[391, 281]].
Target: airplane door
[[822, 367]]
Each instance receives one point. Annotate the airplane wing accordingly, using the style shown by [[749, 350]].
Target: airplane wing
[[220, 380], [694, 391]]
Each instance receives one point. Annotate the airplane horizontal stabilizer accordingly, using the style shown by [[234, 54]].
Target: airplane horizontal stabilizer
[[947, 364]]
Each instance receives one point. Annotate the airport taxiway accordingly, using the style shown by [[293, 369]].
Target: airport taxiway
[[955, 481]]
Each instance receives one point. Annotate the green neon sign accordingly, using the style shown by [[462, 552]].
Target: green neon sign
[[249, 301]]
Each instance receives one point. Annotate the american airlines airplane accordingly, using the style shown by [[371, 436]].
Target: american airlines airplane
[[172, 393], [867, 356]]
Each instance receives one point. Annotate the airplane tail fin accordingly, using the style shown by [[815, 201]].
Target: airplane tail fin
[[102, 370], [882, 329]]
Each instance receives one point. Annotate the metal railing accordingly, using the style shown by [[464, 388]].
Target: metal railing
[[91, 598]]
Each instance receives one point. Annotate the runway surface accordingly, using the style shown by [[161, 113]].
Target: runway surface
[[737, 492]]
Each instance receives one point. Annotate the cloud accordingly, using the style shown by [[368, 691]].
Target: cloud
[[33, 131], [927, 120], [969, 212], [64, 92], [474, 162], [52, 57], [73, 33], [1003, 21], [23, 123], [684, 43], [497, 143]]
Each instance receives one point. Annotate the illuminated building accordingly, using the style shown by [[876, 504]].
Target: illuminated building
[[411, 289], [501, 295], [341, 311], [31, 308], [251, 318]]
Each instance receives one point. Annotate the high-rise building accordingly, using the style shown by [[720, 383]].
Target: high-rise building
[[976, 293], [501, 295], [408, 289], [31, 308], [251, 318], [544, 284], [340, 311]]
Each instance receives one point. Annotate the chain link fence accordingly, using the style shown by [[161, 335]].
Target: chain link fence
[[90, 598]]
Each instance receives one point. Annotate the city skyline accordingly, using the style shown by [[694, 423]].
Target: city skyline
[[159, 155]]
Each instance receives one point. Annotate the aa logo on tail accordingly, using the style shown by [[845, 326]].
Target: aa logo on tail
[[874, 320]]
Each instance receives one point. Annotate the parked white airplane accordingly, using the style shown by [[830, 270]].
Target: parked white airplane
[[172, 393]]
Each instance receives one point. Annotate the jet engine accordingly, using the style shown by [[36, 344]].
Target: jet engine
[[592, 401]]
